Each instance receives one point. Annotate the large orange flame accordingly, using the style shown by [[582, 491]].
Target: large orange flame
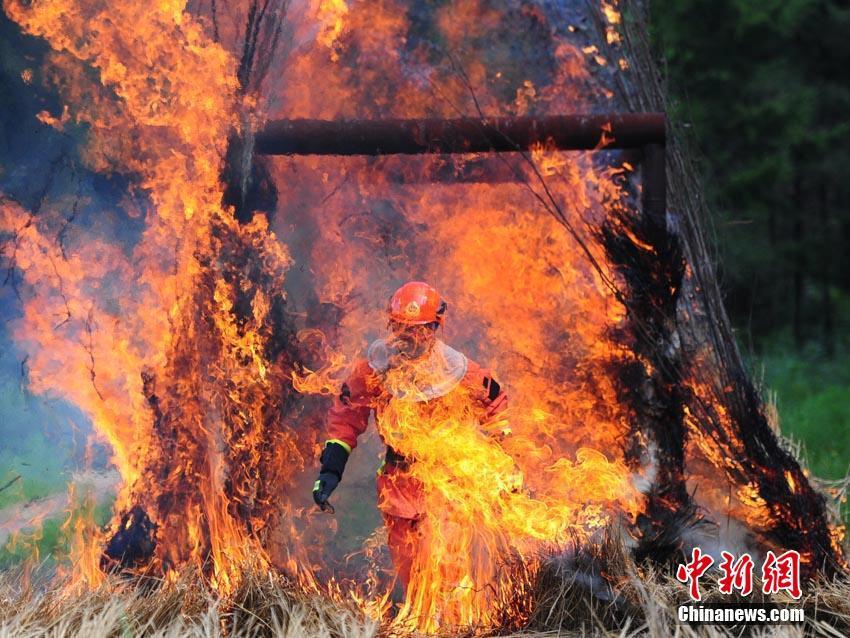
[[181, 348]]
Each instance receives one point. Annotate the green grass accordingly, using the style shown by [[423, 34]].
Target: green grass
[[36, 457], [36, 544], [50, 541], [813, 397], [40, 470], [812, 394], [35, 446]]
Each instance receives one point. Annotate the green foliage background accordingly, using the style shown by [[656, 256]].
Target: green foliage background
[[765, 87]]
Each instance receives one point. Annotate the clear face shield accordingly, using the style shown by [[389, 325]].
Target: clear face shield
[[411, 341]]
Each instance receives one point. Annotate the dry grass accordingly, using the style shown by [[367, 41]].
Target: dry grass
[[602, 591], [598, 591], [264, 606]]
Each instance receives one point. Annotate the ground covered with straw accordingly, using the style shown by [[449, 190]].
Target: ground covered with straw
[[596, 591], [265, 605]]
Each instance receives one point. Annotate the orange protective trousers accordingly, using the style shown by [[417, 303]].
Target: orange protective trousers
[[400, 497]]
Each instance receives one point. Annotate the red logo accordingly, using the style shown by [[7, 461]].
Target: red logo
[[690, 572], [782, 572], [737, 574], [778, 573]]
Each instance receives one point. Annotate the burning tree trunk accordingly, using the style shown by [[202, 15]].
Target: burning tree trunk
[[648, 256], [220, 454], [218, 458]]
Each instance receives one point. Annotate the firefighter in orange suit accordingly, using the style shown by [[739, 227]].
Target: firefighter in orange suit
[[416, 311]]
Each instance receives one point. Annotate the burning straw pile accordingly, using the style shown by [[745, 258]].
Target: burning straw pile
[[203, 343], [643, 604]]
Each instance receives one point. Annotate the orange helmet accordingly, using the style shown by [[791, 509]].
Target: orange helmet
[[417, 303]]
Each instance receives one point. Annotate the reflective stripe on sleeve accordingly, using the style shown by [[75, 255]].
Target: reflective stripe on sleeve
[[345, 445]]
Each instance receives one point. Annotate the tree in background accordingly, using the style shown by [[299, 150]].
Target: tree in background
[[765, 85]]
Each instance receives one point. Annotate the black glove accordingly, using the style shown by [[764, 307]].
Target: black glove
[[323, 487], [334, 458]]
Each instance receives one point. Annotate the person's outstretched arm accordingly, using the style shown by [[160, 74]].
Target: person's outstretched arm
[[347, 420]]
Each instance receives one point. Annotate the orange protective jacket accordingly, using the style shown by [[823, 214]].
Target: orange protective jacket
[[399, 495]]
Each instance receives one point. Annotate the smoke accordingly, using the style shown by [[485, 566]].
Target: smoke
[[50, 445]]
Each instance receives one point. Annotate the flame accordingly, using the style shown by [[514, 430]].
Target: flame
[[186, 354], [479, 503], [163, 110], [613, 18], [331, 17], [85, 539]]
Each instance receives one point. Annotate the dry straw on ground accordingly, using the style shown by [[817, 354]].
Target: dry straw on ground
[[597, 591], [265, 605]]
